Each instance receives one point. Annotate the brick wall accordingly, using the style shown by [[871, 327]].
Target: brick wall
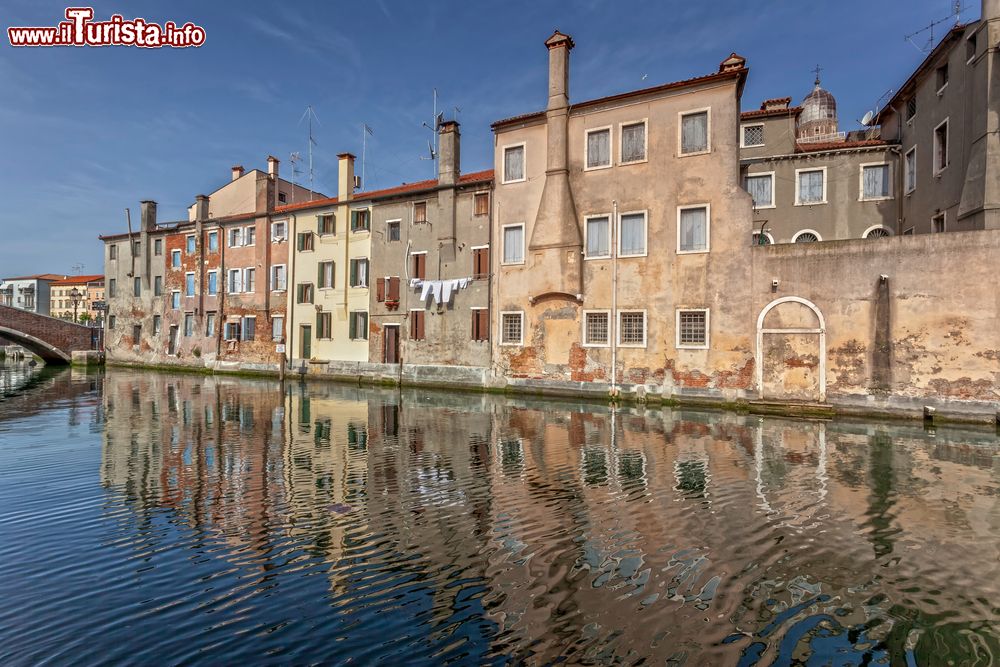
[[61, 334]]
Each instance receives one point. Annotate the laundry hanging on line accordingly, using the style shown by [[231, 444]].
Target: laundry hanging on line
[[440, 290]]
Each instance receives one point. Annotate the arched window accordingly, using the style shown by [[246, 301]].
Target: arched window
[[877, 232], [762, 239], [806, 237]]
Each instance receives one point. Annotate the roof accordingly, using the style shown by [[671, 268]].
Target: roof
[[78, 280], [904, 91], [406, 188], [40, 276], [168, 227], [735, 73], [838, 145], [766, 113]]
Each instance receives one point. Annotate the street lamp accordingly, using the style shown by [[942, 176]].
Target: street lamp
[[77, 296]]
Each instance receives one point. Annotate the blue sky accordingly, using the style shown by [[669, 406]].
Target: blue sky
[[87, 132]]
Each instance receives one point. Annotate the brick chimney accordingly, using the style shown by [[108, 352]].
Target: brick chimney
[[272, 166], [556, 243], [448, 152], [449, 140], [237, 171], [345, 180]]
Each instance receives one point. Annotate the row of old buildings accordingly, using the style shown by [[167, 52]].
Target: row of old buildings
[[662, 240], [77, 298]]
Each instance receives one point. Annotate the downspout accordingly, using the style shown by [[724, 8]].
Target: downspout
[[897, 151], [613, 324], [223, 283], [290, 295]]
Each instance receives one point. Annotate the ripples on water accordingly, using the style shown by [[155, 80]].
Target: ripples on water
[[171, 519]]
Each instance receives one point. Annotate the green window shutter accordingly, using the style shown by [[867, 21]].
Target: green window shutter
[[319, 275], [354, 272], [333, 274], [364, 325], [354, 219], [354, 326]]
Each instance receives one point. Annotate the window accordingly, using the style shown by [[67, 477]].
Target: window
[[304, 241], [513, 164], [157, 247], [304, 293], [417, 318], [513, 244], [279, 231], [694, 132], [112, 287], [806, 236], [418, 261], [213, 241], [278, 328], [911, 108], [111, 321], [324, 277], [235, 237], [633, 142], [359, 273], [480, 263], [324, 325], [480, 324], [359, 220], [232, 331], [188, 325], [876, 232], [596, 328], [235, 285], [136, 286], [278, 278], [632, 328], [910, 168], [632, 235], [938, 223], [875, 182], [157, 285], [282, 198], [137, 248], [392, 230], [970, 48], [481, 203], [420, 212], [908, 231], [753, 135], [249, 280], [250, 236], [213, 283], [761, 189], [598, 148], [113, 251], [359, 325], [136, 334], [941, 147], [249, 327], [387, 289], [692, 329], [326, 224], [188, 284], [175, 259], [175, 300], [210, 324], [598, 230], [189, 244], [692, 229], [761, 239], [942, 78], [810, 186], [512, 328]]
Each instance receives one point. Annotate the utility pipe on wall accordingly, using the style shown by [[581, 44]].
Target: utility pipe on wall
[[613, 324]]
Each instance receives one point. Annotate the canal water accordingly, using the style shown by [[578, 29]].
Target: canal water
[[150, 518]]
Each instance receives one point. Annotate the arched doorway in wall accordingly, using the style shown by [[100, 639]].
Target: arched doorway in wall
[[791, 351]]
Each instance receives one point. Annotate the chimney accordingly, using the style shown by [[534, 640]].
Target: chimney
[[201, 208], [345, 182], [448, 153], [237, 171], [556, 243], [147, 215], [272, 166]]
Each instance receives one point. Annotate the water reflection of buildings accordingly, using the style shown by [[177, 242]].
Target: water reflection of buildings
[[569, 529]]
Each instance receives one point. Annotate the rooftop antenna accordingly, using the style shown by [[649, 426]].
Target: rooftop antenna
[[956, 15], [432, 145], [311, 115], [295, 158], [77, 268], [365, 131]]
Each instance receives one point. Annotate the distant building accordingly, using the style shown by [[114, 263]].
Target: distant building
[[29, 292], [73, 296]]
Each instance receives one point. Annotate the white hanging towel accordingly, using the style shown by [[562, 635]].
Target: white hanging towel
[[436, 289], [446, 287], [416, 282], [463, 283], [425, 290]]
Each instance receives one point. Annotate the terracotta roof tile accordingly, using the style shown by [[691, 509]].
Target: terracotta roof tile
[[78, 280], [764, 113], [838, 145]]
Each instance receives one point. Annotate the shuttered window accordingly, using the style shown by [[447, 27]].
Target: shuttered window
[[380, 290], [420, 212], [305, 293], [417, 318], [305, 241], [327, 224], [324, 325], [359, 325], [482, 203], [480, 324], [419, 265], [359, 273], [480, 263], [324, 277], [359, 220]]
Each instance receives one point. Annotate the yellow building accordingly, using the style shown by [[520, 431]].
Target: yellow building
[[73, 296]]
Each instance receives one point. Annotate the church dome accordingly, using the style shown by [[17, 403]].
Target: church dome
[[818, 118]]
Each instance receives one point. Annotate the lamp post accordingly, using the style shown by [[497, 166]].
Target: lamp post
[[77, 296]]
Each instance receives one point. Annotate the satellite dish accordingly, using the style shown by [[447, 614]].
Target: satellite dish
[[867, 120]]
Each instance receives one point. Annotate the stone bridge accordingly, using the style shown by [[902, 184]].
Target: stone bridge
[[52, 339]]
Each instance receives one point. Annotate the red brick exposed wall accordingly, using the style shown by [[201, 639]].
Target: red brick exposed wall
[[61, 334]]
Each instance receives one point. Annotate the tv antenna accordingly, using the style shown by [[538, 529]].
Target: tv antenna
[[365, 131], [956, 16], [869, 117], [311, 115], [295, 158], [432, 145], [77, 268]]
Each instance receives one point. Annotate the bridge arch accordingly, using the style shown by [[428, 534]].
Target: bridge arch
[[46, 351]]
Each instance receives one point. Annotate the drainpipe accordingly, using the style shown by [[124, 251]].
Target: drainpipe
[[895, 150], [220, 317], [613, 324], [290, 296]]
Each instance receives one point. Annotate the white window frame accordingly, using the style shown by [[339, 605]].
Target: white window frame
[[272, 281], [238, 233], [368, 270], [861, 180], [944, 222], [906, 171], [208, 241], [503, 243], [274, 236], [519, 313], [767, 234], [246, 282], [798, 199], [194, 286], [774, 195], [244, 235], [806, 231], [743, 135], [586, 235], [708, 228], [645, 233], [175, 253], [645, 138], [190, 241], [503, 163], [175, 299], [677, 329], [868, 231], [229, 282], [947, 139], [618, 328], [583, 329], [708, 131], [208, 282], [399, 221], [611, 145]]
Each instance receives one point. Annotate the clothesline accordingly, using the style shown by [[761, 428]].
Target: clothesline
[[441, 290]]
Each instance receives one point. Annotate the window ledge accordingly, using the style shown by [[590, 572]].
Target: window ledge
[[596, 257], [694, 252], [704, 152], [633, 346], [876, 199], [763, 208], [621, 256], [631, 162], [598, 167], [811, 203], [691, 347], [518, 180]]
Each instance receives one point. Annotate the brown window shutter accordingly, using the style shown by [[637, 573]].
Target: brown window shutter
[[380, 290], [420, 326], [484, 324], [394, 288]]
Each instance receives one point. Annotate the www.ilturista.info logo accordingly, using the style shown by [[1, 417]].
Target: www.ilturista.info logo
[[80, 30]]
